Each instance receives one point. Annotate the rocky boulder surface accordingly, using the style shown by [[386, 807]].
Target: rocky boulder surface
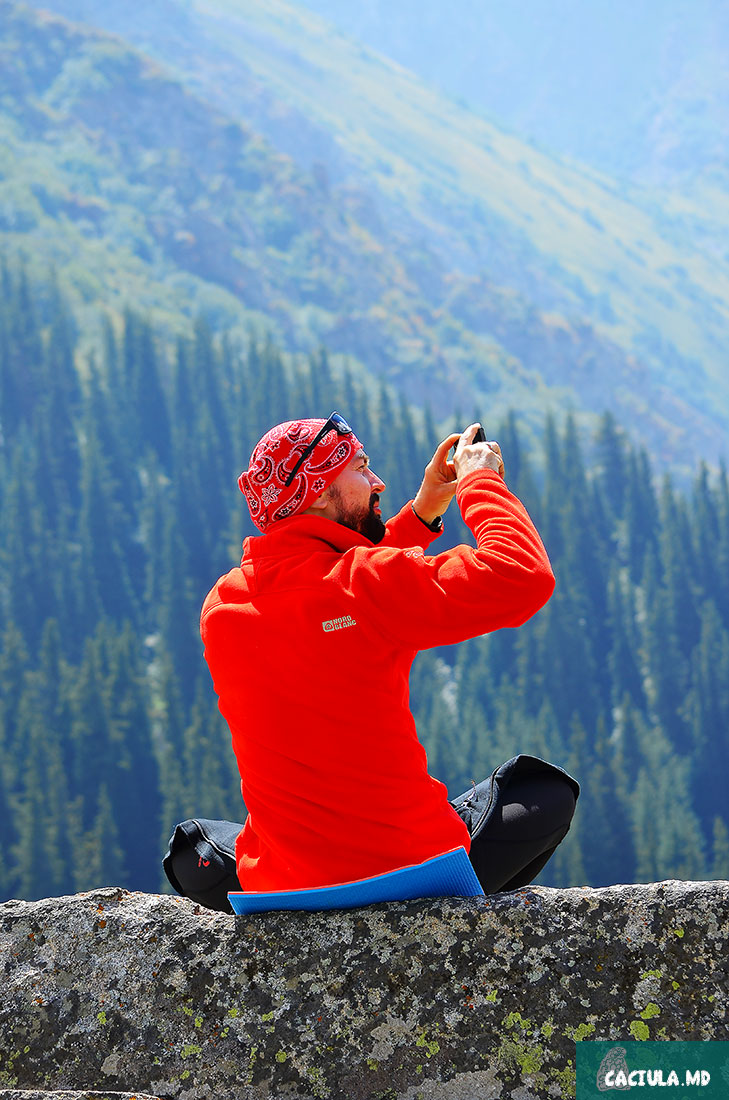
[[456, 998], [65, 1094]]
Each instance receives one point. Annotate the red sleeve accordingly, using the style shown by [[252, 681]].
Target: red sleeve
[[405, 529], [422, 602]]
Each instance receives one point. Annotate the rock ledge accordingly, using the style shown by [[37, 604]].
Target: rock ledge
[[453, 998]]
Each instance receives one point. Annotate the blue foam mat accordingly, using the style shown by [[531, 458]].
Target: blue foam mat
[[450, 874]]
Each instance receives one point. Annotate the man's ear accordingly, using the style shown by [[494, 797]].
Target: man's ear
[[321, 502]]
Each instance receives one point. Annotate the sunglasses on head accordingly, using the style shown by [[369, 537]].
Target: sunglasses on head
[[335, 423]]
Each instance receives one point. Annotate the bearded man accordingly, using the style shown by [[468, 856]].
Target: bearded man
[[310, 643]]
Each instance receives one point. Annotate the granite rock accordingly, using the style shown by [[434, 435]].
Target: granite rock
[[65, 1094], [452, 998]]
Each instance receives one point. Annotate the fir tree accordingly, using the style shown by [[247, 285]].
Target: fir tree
[[40, 853], [612, 467], [99, 854], [720, 850], [707, 708]]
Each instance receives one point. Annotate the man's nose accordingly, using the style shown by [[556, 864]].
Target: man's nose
[[376, 482]]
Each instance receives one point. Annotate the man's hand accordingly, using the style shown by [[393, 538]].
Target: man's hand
[[439, 483], [442, 475], [472, 456]]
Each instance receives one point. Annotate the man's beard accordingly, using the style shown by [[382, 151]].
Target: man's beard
[[363, 520]]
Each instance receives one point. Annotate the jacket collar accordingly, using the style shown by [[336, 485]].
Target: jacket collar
[[303, 534]]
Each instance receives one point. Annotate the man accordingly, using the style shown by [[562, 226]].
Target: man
[[310, 643]]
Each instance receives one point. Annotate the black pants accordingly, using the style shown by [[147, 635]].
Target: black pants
[[516, 819]]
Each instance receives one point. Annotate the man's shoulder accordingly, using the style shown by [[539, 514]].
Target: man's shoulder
[[230, 589]]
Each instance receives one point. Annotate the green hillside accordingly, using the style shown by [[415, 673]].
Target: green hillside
[[470, 269], [640, 91], [439, 159], [138, 192]]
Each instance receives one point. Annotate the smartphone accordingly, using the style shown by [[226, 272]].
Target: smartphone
[[480, 437]]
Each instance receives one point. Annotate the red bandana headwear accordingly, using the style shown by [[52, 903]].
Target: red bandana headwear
[[264, 482]]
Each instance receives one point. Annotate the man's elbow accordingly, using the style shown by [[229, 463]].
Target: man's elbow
[[539, 590], [547, 583]]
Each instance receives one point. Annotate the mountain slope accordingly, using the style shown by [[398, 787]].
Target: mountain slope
[[466, 266], [637, 90], [140, 193], [573, 229]]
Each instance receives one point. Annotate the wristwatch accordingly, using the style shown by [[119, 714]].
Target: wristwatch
[[436, 526]]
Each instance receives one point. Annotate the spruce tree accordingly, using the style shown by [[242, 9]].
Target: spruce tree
[[663, 654], [721, 549], [623, 660], [100, 857], [14, 668], [105, 536], [707, 708], [612, 467], [720, 850], [40, 853], [641, 522], [604, 814], [132, 773], [21, 549]]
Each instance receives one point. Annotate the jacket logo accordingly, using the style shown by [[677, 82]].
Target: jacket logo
[[339, 624]]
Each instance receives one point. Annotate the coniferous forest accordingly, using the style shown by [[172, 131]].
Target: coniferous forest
[[119, 509]]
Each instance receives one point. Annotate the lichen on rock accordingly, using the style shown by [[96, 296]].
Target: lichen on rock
[[477, 997]]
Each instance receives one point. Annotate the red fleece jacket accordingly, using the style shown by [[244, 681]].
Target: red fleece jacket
[[310, 644]]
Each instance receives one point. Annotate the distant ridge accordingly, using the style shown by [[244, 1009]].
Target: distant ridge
[[466, 267], [638, 91]]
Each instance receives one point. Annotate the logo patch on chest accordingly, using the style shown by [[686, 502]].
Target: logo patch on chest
[[338, 624]]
